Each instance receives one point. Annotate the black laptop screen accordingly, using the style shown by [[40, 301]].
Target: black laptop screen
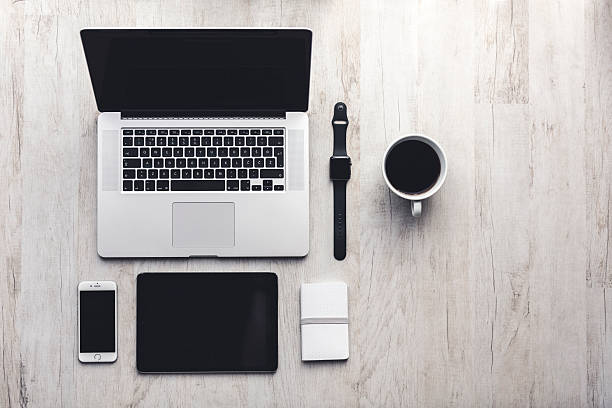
[[199, 69]]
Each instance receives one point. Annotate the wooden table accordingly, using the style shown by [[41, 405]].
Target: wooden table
[[499, 295]]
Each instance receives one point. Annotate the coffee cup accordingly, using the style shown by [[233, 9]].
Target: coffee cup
[[414, 168]]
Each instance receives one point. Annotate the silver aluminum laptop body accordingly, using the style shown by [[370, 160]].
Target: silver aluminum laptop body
[[168, 223]]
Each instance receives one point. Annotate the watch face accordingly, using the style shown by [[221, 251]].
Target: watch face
[[340, 168]]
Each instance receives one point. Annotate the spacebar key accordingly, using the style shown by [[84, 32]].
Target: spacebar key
[[197, 185]]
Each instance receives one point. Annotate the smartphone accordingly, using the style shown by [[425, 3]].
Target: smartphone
[[97, 321]]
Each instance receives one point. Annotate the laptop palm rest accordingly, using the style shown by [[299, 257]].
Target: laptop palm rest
[[203, 225]]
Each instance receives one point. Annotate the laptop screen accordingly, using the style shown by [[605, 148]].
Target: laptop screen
[[199, 69]]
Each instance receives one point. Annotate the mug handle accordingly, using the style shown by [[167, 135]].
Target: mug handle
[[416, 207]]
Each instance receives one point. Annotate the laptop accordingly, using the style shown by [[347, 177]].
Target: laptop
[[202, 141]]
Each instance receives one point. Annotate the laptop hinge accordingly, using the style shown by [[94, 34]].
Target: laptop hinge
[[203, 115]]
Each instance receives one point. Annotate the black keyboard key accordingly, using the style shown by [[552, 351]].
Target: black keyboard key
[[250, 141], [211, 152], [253, 173], [173, 141], [247, 162], [167, 152], [139, 141], [280, 162], [141, 174], [164, 173], [221, 132], [209, 173], [239, 141], [232, 185], [150, 141], [259, 162], [206, 141], [139, 185], [222, 151], [275, 141], [278, 152], [245, 185], [198, 173], [131, 163], [183, 141], [262, 141], [234, 152], [181, 163], [256, 132], [174, 132], [185, 132], [197, 185], [139, 132], [161, 141], [267, 188], [214, 163], [209, 132], [242, 173], [279, 131], [144, 152], [256, 188], [128, 132], [202, 163], [151, 132], [128, 141], [271, 173], [147, 163], [228, 141], [200, 152], [217, 141], [198, 132], [130, 152], [162, 132], [232, 132], [127, 185], [155, 152], [279, 187], [220, 173], [236, 163], [256, 151], [231, 173], [163, 185], [169, 163], [186, 173], [153, 174], [191, 163], [243, 132], [245, 151], [189, 152], [225, 163], [266, 132], [271, 162], [175, 173], [150, 185], [267, 151], [158, 163], [194, 141], [129, 174], [177, 152]]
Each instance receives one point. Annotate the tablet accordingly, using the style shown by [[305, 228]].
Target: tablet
[[206, 322]]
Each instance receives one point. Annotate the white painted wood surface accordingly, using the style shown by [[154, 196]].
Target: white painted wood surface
[[499, 295]]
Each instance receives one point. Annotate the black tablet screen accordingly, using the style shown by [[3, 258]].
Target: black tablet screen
[[197, 322]]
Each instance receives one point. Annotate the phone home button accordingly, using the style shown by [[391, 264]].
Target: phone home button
[[97, 357]]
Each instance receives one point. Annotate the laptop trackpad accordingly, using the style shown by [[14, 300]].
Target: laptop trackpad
[[202, 225]]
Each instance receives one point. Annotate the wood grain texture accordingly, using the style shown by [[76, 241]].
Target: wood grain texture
[[498, 296]]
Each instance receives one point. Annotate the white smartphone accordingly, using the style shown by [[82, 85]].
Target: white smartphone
[[97, 321]]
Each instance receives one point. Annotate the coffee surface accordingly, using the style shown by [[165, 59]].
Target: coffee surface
[[412, 167]]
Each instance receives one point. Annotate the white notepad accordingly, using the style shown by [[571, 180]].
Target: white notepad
[[324, 321]]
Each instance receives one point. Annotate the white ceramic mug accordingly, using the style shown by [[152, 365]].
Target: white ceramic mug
[[416, 199]]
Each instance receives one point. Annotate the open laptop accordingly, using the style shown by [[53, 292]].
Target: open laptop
[[202, 141]]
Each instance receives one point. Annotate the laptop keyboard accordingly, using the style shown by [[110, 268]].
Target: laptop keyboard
[[203, 159]]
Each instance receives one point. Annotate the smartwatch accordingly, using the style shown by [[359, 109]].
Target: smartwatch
[[340, 173]]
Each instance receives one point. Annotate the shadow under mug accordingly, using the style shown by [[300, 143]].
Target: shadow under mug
[[416, 199]]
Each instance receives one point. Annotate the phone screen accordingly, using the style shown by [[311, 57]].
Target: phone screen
[[97, 319]]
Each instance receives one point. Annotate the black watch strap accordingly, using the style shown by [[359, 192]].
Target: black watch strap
[[340, 124]]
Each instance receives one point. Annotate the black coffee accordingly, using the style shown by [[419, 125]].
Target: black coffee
[[412, 166]]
